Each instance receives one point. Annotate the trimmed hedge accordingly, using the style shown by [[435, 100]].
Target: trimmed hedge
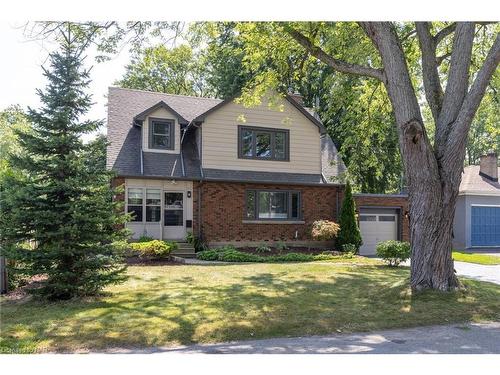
[[155, 248], [230, 254]]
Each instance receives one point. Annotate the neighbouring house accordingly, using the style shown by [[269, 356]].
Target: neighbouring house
[[476, 223], [230, 173]]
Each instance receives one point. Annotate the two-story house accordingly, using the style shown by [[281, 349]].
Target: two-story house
[[227, 172], [230, 173]]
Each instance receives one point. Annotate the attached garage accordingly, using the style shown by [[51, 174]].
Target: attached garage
[[485, 225], [377, 225]]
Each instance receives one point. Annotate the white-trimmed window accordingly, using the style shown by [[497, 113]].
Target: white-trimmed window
[[153, 205], [134, 203]]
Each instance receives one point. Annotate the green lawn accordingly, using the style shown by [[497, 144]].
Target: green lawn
[[171, 305], [476, 258]]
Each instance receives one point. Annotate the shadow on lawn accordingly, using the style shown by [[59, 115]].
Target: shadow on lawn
[[162, 311]]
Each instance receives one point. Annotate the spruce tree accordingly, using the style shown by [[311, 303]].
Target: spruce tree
[[349, 231], [59, 218]]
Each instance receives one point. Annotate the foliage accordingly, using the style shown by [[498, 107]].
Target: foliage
[[393, 252], [154, 248], [173, 71], [263, 248], [324, 230], [60, 200], [349, 248], [230, 254], [281, 246], [145, 238], [349, 230], [197, 242]]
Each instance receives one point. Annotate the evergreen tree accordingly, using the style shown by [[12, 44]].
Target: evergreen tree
[[58, 218], [349, 231]]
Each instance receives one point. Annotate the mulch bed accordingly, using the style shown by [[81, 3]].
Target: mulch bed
[[21, 293]]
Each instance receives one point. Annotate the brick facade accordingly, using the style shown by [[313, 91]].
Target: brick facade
[[223, 206], [389, 201]]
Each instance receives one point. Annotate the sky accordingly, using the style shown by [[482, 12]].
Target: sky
[[21, 72]]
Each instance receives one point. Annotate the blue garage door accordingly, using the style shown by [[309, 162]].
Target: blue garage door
[[485, 229]]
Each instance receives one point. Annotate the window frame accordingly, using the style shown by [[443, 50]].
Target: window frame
[[171, 136], [143, 213], [272, 132], [146, 205], [289, 194]]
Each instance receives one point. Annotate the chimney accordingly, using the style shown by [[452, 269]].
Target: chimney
[[297, 97], [488, 166]]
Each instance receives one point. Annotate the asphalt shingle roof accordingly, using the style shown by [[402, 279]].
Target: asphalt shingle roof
[[124, 150], [473, 182]]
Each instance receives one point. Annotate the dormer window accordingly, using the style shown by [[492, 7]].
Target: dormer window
[[161, 134]]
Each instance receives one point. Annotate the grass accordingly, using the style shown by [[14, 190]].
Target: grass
[[476, 258], [172, 305]]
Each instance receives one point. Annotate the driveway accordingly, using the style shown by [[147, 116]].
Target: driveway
[[447, 339], [479, 271]]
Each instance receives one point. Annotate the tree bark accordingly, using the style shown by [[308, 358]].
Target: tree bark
[[433, 173]]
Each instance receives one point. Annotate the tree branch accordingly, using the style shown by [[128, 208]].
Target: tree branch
[[432, 83], [336, 64], [458, 82], [444, 32], [458, 134]]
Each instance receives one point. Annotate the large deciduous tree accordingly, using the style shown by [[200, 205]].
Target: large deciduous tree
[[433, 171]]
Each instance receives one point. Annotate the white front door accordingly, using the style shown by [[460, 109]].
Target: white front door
[[174, 224], [376, 228]]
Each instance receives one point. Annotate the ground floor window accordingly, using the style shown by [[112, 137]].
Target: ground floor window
[[137, 205], [272, 205]]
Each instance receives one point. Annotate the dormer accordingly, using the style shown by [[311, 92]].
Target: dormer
[[161, 128]]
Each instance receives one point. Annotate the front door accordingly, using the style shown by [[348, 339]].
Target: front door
[[173, 216]]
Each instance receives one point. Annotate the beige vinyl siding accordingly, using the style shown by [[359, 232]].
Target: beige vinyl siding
[[161, 113], [220, 138]]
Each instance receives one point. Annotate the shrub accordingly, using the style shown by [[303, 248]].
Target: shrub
[[198, 244], [393, 252], [155, 248], [238, 256], [325, 256], [324, 230], [349, 248], [263, 248], [228, 254], [145, 238], [349, 230], [208, 255], [281, 246]]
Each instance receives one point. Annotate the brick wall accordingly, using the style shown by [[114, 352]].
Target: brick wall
[[392, 201], [222, 212]]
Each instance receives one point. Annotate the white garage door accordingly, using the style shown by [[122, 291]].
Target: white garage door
[[377, 226]]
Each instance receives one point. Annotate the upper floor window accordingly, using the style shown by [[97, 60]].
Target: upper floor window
[[263, 143], [161, 134]]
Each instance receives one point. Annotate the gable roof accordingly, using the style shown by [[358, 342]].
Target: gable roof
[[161, 104], [473, 182], [308, 113]]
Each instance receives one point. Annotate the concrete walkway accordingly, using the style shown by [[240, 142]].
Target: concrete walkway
[[446, 339]]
